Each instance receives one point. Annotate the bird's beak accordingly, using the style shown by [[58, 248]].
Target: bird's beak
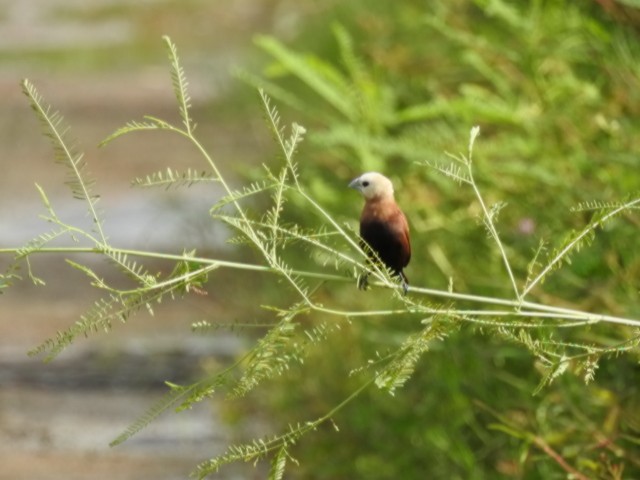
[[355, 183]]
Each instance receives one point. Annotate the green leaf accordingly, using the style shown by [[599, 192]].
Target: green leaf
[[65, 153]]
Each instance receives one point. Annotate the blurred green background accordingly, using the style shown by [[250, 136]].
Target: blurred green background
[[554, 87]]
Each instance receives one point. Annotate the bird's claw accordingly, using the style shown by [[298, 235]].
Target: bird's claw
[[363, 281]]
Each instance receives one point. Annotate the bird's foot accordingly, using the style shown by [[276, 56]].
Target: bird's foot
[[363, 281], [405, 287]]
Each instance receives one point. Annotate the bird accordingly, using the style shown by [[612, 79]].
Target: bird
[[384, 229]]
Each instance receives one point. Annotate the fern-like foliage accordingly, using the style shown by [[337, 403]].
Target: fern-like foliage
[[600, 206], [172, 178], [119, 305], [278, 464], [180, 89], [182, 396], [131, 268], [258, 215], [261, 448], [271, 356], [180, 84], [403, 363], [66, 153], [150, 124], [251, 452], [453, 171], [273, 214], [236, 196], [99, 317], [575, 241]]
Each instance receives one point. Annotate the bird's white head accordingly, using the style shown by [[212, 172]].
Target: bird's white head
[[373, 185]]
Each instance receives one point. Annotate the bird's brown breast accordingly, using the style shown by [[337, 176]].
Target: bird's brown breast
[[385, 229]]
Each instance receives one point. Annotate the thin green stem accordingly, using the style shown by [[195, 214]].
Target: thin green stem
[[346, 401], [531, 308], [592, 317], [475, 131], [494, 233]]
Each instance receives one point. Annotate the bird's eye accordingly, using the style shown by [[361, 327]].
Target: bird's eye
[[365, 184]]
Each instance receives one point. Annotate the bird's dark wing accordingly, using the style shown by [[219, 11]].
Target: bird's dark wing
[[403, 227]]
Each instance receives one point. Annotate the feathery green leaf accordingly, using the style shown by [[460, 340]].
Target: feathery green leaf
[[172, 178], [180, 84], [65, 153]]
